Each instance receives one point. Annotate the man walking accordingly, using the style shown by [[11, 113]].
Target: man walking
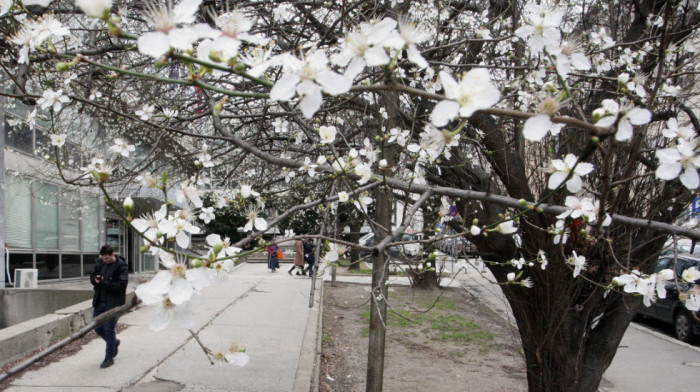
[[109, 277]]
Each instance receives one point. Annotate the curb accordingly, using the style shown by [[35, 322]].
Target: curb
[[316, 376], [307, 376]]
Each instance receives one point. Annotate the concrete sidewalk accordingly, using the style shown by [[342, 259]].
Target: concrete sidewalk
[[268, 313]]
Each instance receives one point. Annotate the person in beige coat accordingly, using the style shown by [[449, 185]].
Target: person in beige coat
[[298, 258]]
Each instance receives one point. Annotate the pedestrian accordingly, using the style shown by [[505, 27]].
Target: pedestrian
[[109, 278], [273, 252], [309, 256], [298, 258]]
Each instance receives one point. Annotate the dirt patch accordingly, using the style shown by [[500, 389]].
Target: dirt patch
[[437, 340]]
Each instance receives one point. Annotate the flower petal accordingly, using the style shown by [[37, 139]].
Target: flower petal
[[537, 127], [154, 44], [624, 131], [639, 116], [334, 83], [574, 184], [285, 88], [312, 98], [689, 178], [444, 112], [669, 171]]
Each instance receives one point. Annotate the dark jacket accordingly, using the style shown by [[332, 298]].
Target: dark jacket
[[112, 287], [309, 252]]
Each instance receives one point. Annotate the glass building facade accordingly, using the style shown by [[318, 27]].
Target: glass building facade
[[51, 228]]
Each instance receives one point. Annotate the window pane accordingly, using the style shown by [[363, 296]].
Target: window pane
[[70, 221], [70, 266], [115, 235], [18, 135], [18, 212], [47, 264], [89, 262], [18, 260], [89, 217], [46, 207]]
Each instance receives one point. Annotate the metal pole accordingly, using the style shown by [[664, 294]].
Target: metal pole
[[317, 253]]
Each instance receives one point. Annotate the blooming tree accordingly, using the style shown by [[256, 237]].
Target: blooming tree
[[564, 133]]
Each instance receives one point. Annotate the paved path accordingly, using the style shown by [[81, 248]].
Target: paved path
[[267, 313]]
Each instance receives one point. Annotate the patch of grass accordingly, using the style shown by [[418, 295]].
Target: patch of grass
[[343, 262], [441, 323], [326, 340], [441, 304], [456, 327], [362, 271]]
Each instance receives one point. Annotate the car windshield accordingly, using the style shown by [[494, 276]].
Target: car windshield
[[681, 264]]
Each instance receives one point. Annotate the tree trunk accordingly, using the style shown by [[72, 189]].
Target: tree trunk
[[378, 307]]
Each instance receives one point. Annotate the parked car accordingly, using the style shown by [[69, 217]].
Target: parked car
[[368, 240], [671, 309]]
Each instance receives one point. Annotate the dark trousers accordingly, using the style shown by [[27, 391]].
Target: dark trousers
[[106, 331], [301, 267]]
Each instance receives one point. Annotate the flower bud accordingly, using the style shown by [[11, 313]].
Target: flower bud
[[522, 202], [239, 67], [144, 248], [128, 205], [218, 248], [215, 56]]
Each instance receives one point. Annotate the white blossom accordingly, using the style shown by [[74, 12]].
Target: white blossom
[[254, 220], [674, 130], [166, 20], [94, 8], [561, 169], [207, 214], [408, 35], [327, 134], [690, 275], [52, 99], [58, 140], [362, 47], [578, 262], [473, 92], [507, 227], [625, 117], [681, 158], [541, 27], [122, 148], [306, 78]]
